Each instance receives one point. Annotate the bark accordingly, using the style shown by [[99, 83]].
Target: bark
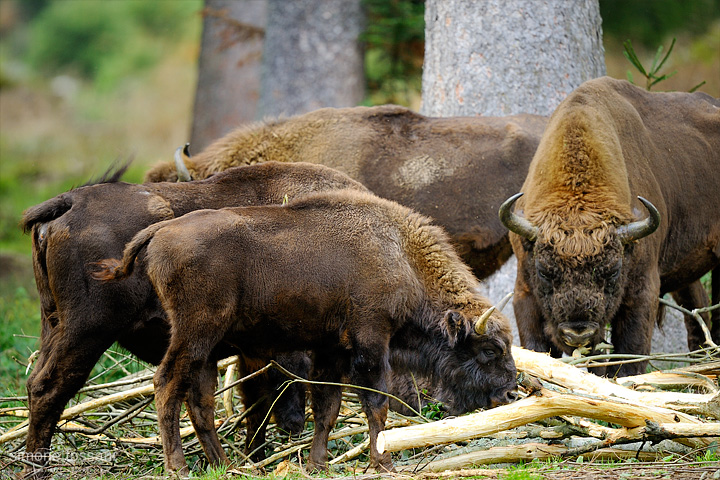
[[228, 87], [499, 57], [313, 57]]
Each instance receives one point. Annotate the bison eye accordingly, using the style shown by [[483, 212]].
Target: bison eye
[[614, 273], [544, 273], [489, 353]]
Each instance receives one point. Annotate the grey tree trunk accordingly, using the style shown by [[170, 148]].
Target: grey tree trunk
[[228, 88], [502, 57], [312, 56]]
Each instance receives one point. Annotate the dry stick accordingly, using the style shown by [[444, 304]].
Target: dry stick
[[530, 409], [110, 399], [89, 405], [228, 394], [555, 371], [696, 315], [670, 379], [623, 358], [525, 452]]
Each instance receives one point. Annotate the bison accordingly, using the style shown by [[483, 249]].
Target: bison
[[345, 275], [82, 318], [616, 163], [455, 170]]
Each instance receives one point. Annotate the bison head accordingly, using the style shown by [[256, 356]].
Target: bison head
[[478, 370], [576, 293]]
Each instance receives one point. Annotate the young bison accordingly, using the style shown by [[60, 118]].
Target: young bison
[[82, 318], [345, 275]]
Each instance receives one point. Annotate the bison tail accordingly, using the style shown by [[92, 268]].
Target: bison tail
[[46, 211], [114, 269], [109, 269]]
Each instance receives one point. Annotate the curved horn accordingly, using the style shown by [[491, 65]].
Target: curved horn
[[516, 223], [642, 228], [183, 173], [481, 323]]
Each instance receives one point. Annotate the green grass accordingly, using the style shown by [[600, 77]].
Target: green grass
[[18, 338]]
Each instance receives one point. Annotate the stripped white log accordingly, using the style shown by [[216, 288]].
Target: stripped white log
[[536, 407], [545, 367]]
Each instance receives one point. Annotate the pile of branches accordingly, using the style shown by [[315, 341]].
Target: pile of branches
[[565, 412]]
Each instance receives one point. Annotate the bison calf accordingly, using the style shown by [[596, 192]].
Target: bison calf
[[81, 318], [342, 274]]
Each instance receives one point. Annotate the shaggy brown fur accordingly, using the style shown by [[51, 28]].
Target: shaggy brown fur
[[81, 318], [344, 274], [607, 143], [454, 170]]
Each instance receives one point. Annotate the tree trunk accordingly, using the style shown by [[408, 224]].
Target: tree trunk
[[500, 57], [228, 87], [312, 56], [503, 57]]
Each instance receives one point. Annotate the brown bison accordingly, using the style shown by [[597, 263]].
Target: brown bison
[[613, 153], [345, 275], [455, 170], [81, 318]]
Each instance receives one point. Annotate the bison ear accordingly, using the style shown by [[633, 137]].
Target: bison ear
[[453, 326]]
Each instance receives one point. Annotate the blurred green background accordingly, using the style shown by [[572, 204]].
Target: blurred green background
[[86, 82]]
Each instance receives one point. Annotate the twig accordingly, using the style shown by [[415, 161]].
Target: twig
[[695, 313]]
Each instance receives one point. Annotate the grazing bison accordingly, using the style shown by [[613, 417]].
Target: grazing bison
[[81, 318], [345, 275], [455, 170], [585, 255]]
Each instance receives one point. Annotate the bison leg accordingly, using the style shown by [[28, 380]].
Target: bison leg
[[289, 410], [170, 391], [632, 326], [268, 391], [370, 367], [325, 400], [530, 322], [62, 368], [691, 297], [174, 380], [201, 407]]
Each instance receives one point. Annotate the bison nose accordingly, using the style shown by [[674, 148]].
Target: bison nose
[[577, 338], [504, 398]]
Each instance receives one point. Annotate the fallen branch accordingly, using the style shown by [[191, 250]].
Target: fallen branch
[[526, 452], [542, 405], [546, 368]]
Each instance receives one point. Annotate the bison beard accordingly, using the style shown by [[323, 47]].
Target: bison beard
[[343, 274], [584, 259]]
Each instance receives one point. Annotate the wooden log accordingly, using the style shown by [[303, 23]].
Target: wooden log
[[543, 366], [537, 407], [227, 397], [526, 452], [670, 379]]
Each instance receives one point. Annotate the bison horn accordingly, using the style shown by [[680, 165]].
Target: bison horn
[[183, 173], [481, 323], [516, 223], [642, 228]]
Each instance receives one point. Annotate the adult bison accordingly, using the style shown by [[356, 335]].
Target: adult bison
[[344, 274], [81, 318], [455, 170], [613, 153]]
